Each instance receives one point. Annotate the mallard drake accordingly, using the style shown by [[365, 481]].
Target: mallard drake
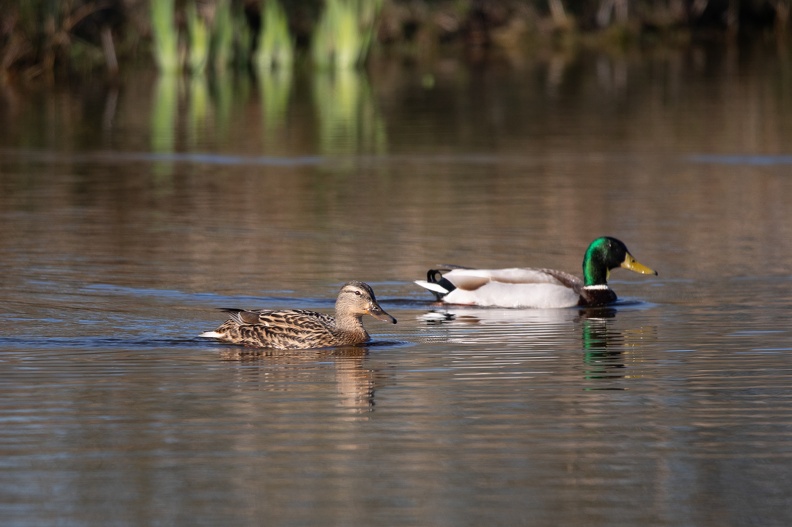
[[303, 329], [536, 288]]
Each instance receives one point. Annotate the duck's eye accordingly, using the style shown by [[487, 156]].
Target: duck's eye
[[357, 293]]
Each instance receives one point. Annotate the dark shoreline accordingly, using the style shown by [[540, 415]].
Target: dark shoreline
[[38, 40]]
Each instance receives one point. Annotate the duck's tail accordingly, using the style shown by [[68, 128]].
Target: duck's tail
[[436, 283], [236, 317]]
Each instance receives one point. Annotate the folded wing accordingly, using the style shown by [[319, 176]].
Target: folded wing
[[472, 279], [513, 287]]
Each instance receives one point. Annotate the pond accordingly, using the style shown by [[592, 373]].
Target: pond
[[132, 211]]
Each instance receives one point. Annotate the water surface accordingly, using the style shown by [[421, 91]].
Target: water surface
[[129, 215]]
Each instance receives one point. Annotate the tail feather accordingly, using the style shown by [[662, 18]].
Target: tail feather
[[434, 288], [436, 283]]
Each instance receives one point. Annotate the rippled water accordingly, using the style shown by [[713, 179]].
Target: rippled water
[[121, 235]]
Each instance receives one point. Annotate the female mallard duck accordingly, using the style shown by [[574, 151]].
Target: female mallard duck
[[301, 329], [537, 288]]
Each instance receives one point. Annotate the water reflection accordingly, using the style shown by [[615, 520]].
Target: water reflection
[[505, 407], [199, 108], [602, 357], [285, 370], [508, 327], [349, 120], [610, 353], [164, 109], [346, 117], [608, 350], [495, 345], [275, 86]]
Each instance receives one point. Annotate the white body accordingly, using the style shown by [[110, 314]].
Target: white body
[[515, 287]]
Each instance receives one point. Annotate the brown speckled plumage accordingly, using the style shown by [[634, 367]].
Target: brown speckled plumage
[[303, 329]]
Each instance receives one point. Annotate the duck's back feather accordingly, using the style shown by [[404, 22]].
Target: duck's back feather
[[513, 287], [279, 317], [472, 279], [280, 329]]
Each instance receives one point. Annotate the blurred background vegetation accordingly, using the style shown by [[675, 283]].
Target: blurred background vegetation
[[43, 38]]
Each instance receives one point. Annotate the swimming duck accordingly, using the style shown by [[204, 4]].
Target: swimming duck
[[302, 329], [536, 288]]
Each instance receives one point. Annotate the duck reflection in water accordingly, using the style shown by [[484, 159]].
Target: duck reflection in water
[[285, 370], [610, 354], [608, 350]]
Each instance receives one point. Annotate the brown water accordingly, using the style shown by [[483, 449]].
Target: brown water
[[130, 214]]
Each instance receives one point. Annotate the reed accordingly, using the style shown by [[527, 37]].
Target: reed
[[210, 35], [223, 35], [275, 43], [36, 36], [243, 39], [166, 35], [199, 32], [345, 32]]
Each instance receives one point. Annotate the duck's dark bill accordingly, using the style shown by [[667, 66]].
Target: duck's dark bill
[[381, 315]]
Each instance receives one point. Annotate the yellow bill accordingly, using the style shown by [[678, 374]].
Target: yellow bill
[[633, 265]]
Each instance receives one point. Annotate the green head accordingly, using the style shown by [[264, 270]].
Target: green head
[[607, 253]]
